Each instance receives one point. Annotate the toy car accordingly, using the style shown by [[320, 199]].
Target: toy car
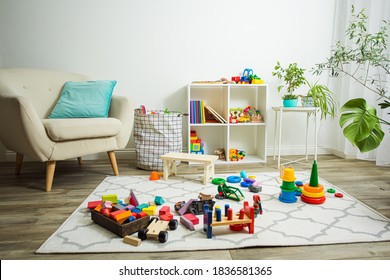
[[157, 229]]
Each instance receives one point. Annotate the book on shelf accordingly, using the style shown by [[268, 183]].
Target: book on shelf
[[201, 113]]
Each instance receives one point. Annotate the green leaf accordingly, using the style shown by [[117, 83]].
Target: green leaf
[[361, 125], [371, 142]]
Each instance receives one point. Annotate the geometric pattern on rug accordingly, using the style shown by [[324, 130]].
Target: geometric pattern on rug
[[338, 220]]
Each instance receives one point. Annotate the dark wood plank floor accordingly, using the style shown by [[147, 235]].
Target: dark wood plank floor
[[29, 215]]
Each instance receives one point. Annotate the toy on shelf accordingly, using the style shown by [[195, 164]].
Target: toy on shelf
[[220, 152], [157, 229], [229, 192], [196, 146], [234, 114], [288, 188], [236, 155], [313, 193], [246, 74], [236, 222], [253, 114], [248, 77]]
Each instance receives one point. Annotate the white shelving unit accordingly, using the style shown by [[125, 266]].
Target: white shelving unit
[[249, 137]]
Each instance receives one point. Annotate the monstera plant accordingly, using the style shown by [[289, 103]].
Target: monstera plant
[[366, 59]]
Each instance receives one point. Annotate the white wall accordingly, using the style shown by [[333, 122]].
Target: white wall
[[154, 48]]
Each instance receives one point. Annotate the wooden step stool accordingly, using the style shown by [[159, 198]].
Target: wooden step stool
[[171, 158]]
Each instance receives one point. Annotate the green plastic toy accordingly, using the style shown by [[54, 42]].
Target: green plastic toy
[[229, 192]]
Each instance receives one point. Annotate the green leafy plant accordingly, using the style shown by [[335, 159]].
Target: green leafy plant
[[292, 77], [323, 98], [366, 60], [289, 96]]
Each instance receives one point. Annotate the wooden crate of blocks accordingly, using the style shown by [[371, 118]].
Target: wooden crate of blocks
[[120, 218], [120, 229]]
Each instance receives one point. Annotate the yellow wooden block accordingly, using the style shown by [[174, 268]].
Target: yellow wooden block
[[151, 210]]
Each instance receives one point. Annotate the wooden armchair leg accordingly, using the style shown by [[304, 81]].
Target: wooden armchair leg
[[19, 162], [50, 168], [114, 165]]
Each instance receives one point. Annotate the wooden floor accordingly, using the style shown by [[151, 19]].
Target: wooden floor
[[29, 215]]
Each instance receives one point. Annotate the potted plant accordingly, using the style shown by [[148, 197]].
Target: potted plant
[[320, 96], [292, 77]]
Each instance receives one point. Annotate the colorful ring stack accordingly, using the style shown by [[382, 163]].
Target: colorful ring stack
[[288, 188], [313, 192]]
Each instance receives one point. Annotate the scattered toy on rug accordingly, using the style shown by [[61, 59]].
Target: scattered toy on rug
[[236, 222]]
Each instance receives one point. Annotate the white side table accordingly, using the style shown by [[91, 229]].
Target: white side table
[[307, 110]]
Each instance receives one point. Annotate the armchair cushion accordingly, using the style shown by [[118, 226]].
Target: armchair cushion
[[86, 99], [81, 128]]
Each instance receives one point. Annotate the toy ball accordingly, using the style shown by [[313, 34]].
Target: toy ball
[[243, 174]]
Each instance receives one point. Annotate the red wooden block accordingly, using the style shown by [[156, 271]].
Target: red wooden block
[[113, 214], [166, 217], [194, 219], [141, 215], [93, 204], [164, 210]]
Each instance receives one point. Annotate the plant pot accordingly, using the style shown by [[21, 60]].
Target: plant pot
[[307, 101], [290, 102]]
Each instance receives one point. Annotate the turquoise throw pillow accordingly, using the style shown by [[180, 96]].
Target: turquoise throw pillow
[[89, 99]]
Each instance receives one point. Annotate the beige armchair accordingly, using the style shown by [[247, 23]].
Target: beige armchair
[[27, 96]]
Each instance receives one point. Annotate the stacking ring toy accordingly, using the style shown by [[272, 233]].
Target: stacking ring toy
[[312, 195], [330, 190], [218, 181], [311, 200], [234, 179], [249, 180], [245, 184], [340, 195], [311, 189]]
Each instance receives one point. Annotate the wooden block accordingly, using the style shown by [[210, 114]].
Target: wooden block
[[98, 208], [93, 204], [166, 217], [159, 200], [118, 206], [122, 217], [164, 210], [133, 199], [141, 215], [132, 240], [187, 223], [194, 219], [142, 206], [151, 210], [113, 214], [110, 197]]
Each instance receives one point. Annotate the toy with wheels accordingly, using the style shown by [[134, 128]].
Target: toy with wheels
[[157, 229]]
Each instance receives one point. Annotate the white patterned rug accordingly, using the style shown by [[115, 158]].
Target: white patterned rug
[[338, 220]]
